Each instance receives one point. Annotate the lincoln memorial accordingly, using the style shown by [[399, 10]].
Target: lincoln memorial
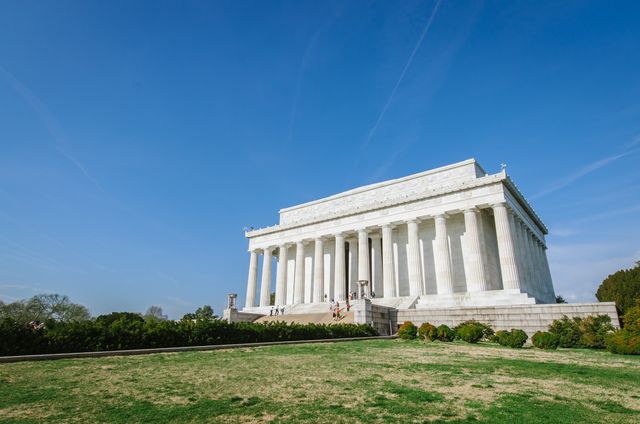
[[453, 237]]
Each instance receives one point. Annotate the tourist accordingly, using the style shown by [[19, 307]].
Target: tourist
[[348, 307], [271, 312], [277, 309], [283, 310]]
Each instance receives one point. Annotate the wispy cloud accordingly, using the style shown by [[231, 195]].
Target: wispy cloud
[[608, 214], [306, 58], [53, 126], [580, 173], [633, 143], [425, 30], [579, 268]]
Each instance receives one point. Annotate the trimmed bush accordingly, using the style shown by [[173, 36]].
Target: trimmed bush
[[515, 338], [129, 331], [407, 331], [470, 332], [487, 331], [568, 331], [427, 332], [627, 340], [445, 334], [545, 340]]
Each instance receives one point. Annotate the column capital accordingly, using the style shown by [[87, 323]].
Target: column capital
[[336, 235], [499, 204], [442, 215], [413, 221], [375, 236], [362, 230], [474, 209], [389, 225]]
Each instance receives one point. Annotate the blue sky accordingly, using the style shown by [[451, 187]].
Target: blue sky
[[137, 139]]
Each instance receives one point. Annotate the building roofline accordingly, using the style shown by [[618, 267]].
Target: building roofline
[[373, 186]]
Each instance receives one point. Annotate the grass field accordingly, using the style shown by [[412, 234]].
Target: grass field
[[366, 381]]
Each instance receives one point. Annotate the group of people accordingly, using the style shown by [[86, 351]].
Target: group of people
[[337, 311], [276, 311]]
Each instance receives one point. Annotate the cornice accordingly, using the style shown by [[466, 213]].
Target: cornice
[[382, 204]]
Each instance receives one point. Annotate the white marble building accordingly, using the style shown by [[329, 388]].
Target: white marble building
[[453, 236]]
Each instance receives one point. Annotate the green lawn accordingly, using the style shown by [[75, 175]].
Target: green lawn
[[367, 381]]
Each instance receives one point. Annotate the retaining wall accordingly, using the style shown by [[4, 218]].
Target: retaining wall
[[530, 318]]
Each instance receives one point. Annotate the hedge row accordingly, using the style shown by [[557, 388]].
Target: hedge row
[[124, 330]]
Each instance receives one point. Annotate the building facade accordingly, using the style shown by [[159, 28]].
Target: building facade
[[454, 236]]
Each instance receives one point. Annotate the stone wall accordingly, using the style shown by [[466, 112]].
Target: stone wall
[[233, 315], [530, 318], [380, 317]]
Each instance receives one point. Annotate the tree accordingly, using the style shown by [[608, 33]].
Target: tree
[[622, 287], [43, 307], [204, 312], [154, 313], [560, 299]]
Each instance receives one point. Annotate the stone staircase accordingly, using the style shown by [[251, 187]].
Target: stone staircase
[[309, 318]]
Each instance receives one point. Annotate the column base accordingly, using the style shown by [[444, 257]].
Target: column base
[[485, 298]]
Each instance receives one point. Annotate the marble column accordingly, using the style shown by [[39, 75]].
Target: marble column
[[376, 265], [298, 287], [363, 259], [339, 276], [281, 276], [413, 259], [252, 280], [265, 283], [521, 257], [353, 265], [442, 257], [388, 268], [547, 272], [318, 271], [539, 285], [506, 251], [474, 266], [541, 274]]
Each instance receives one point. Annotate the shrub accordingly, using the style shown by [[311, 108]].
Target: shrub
[[128, 331], [545, 340], [470, 332], [594, 330], [627, 340], [515, 338], [568, 331], [407, 331], [487, 331], [445, 334], [427, 332]]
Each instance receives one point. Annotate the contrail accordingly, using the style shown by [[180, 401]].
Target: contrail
[[372, 131], [585, 170], [50, 122]]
